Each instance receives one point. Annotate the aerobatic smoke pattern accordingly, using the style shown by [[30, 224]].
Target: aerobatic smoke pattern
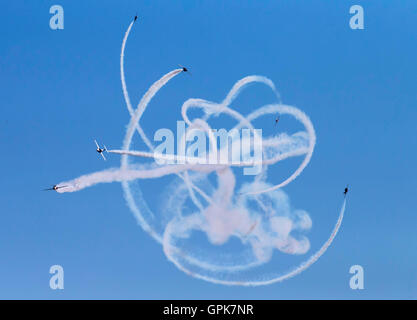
[[243, 225]]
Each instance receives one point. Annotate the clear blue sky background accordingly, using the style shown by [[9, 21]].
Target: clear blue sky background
[[60, 89]]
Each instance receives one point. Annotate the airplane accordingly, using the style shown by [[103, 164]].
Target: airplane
[[346, 190], [101, 150], [54, 187], [136, 18], [184, 69], [276, 120]]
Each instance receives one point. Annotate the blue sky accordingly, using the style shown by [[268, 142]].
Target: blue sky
[[61, 89]]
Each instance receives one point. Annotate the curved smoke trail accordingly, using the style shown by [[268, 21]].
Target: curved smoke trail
[[256, 213], [142, 134]]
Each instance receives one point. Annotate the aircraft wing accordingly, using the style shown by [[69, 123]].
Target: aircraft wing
[[103, 156], [96, 144]]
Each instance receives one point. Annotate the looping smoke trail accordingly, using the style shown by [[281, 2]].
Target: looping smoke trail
[[257, 214]]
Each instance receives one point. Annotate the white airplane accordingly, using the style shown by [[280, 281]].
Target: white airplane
[[101, 150]]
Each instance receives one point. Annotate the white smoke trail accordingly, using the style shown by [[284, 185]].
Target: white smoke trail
[[122, 70], [120, 175], [142, 106], [124, 88], [142, 134], [268, 225]]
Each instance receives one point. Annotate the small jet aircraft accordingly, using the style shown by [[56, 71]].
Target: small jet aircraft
[[136, 18], [184, 69], [101, 150], [346, 190], [54, 187], [276, 120]]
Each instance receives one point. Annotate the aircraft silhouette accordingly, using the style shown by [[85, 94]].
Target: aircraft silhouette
[[54, 187], [346, 190]]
